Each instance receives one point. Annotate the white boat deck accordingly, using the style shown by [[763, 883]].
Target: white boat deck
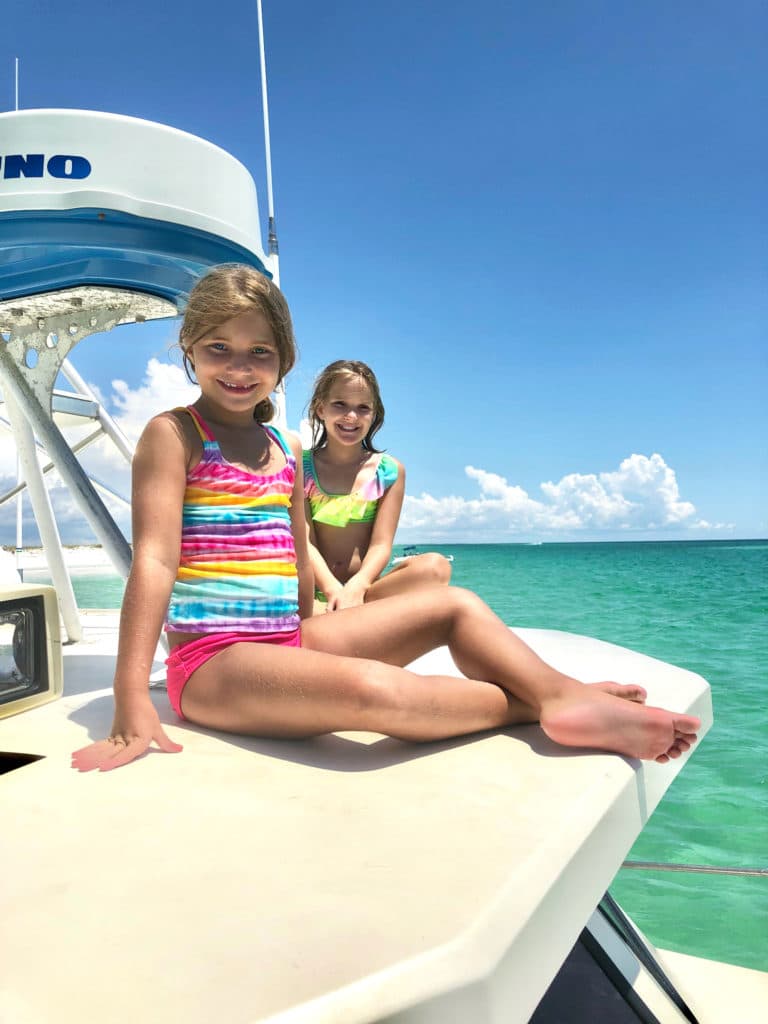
[[342, 879]]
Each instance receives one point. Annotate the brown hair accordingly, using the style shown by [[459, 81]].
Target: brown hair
[[326, 379], [225, 292]]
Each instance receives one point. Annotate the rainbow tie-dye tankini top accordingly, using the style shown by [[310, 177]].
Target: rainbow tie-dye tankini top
[[237, 569]]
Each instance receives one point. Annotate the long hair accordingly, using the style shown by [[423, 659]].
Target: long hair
[[225, 292], [346, 369]]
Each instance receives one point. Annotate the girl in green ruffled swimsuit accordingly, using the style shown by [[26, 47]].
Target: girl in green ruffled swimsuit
[[354, 494]]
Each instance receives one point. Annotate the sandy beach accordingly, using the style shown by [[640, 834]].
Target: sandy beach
[[78, 558]]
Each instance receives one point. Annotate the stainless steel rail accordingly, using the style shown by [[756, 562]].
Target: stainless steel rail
[[704, 869]]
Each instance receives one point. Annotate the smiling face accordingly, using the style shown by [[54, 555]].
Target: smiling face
[[330, 387], [237, 364], [348, 411]]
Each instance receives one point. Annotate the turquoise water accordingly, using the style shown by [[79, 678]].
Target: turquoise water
[[704, 606], [701, 605]]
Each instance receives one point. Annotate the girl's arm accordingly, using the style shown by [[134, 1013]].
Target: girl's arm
[[380, 547], [159, 481], [304, 566], [323, 578]]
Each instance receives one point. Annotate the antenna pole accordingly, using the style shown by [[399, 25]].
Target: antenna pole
[[17, 83], [281, 412], [272, 247]]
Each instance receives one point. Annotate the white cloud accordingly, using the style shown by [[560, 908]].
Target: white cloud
[[643, 491], [642, 494], [305, 433], [165, 386]]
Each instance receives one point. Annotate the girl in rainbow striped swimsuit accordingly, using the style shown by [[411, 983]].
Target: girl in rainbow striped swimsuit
[[220, 556]]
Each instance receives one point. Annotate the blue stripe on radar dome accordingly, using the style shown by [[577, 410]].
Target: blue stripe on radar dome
[[49, 250]]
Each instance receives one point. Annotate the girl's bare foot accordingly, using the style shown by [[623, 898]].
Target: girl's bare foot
[[597, 719], [627, 691]]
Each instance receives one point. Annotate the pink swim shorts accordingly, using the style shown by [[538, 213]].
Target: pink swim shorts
[[183, 660]]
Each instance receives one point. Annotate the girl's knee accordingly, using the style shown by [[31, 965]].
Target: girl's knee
[[439, 568], [375, 691], [433, 568], [462, 605]]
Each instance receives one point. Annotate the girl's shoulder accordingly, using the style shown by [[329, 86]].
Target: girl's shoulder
[[169, 437], [384, 473], [173, 423], [182, 419], [308, 466], [286, 439], [388, 470]]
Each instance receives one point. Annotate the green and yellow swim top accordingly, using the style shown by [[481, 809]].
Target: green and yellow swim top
[[342, 509]]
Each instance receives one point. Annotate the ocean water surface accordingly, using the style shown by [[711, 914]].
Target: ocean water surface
[[704, 606], [701, 605]]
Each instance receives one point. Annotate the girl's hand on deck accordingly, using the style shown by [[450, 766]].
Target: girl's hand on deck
[[133, 729]]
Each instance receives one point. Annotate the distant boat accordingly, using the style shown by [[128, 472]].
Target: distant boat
[[409, 551]]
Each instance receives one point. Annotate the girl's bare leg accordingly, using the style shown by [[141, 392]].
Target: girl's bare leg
[[428, 570], [292, 693], [399, 629]]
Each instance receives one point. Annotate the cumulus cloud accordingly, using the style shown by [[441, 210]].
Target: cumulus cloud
[[305, 433], [164, 387], [642, 494]]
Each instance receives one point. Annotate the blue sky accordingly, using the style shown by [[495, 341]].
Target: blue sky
[[543, 225]]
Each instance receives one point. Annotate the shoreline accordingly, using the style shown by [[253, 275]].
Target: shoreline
[[94, 556], [76, 557]]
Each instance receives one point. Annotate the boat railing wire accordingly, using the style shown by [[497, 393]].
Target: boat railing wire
[[704, 869]]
